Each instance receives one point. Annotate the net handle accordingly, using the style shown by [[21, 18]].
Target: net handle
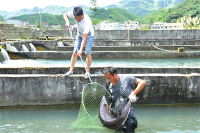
[[70, 31], [84, 105]]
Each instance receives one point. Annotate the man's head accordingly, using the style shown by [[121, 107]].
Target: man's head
[[110, 73], [78, 13]]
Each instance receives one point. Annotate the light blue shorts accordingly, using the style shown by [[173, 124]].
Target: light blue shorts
[[88, 45]]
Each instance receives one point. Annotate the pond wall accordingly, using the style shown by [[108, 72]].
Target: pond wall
[[58, 89]]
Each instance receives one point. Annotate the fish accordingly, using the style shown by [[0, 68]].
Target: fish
[[106, 117]]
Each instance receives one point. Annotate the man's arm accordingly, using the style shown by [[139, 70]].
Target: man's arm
[[140, 85], [66, 20]]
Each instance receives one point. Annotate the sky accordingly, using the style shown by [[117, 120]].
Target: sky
[[13, 5]]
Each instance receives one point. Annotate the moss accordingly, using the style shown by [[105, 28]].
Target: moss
[[69, 105], [187, 76], [174, 104], [40, 48], [15, 56], [77, 105], [2, 47], [39, 68], [0, 55], [29, 68], [62, 76]]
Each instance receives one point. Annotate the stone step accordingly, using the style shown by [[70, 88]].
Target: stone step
[[102, 45], [133, 48], [98, 70], [102, 55]]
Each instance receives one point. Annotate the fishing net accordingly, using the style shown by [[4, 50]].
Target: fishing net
[[90, 104]]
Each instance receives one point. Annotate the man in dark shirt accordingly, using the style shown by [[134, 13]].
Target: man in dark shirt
[[122, 85]]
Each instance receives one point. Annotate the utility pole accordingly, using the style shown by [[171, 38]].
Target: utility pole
[[40, 19]]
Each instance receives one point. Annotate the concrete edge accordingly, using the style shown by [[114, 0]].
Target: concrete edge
[[100, 75]]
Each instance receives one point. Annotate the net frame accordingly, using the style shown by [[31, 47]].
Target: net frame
[[99, 102], [92, 94]]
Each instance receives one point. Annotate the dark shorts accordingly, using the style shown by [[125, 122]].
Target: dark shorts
[[131, 123]]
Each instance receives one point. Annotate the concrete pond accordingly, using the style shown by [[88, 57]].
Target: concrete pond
[[35, 95], [171, 76]]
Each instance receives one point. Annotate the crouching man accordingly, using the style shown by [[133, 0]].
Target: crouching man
[[122, 87]]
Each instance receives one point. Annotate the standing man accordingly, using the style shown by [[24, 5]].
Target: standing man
[[85, 37], [122, 86]]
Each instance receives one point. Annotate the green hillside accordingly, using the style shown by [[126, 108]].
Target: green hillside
[[49, 18], [1, 18], [113, 15], [171, 15]]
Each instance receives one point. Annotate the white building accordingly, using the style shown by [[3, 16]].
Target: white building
[[166, 26], [157, 26], [106, 25], [130, 25], [173, 26]]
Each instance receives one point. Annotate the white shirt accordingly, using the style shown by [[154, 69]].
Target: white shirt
[[85, 25]]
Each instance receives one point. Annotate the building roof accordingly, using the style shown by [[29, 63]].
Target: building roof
[[173, 24]]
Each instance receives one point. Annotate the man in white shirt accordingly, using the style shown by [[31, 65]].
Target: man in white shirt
[[85, 37]]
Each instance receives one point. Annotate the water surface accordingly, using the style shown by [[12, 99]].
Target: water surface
[[183, 62], [151, 119]]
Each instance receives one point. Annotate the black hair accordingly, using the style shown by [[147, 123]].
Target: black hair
[[110, 69], [77, 11]]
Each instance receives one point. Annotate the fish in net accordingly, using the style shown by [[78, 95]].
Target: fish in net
[[108, 119], [88, 116]]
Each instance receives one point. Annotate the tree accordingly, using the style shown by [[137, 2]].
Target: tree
[[38, 24], [151, 20], [1, 18], [173, 21], [94, 7]]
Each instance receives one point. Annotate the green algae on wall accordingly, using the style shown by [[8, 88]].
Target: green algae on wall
[[0, 55]]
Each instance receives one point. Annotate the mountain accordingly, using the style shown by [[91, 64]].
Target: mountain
[[171, 15], [143, 7], [55, 10], [6, 14], [49, 18], [138, 7], [112, 14]]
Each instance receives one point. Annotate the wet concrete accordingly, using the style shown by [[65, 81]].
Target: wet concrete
[[31, 89], [98, 70], [133, 48], [102, 55]]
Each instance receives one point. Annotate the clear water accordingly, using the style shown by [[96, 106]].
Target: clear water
[[5, 55], [183, 62], [24, 48], [151, 119], [32, 47]]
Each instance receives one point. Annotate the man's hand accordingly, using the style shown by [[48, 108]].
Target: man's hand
[[66, 20], [67, 25], [79, 53], [132, 97]]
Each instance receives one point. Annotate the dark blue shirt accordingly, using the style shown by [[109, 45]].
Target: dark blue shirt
[[125, 83]]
